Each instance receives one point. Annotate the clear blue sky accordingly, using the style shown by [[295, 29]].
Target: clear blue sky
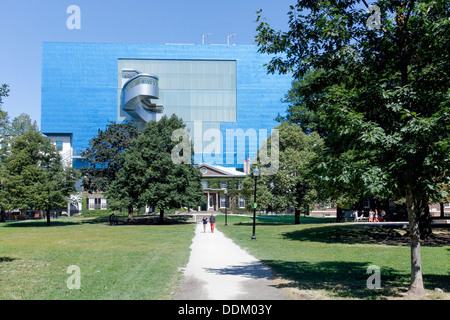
[[25, 24]]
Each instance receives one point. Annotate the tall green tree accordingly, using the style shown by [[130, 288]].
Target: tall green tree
[[381, 93], [34, 176], [4, 92], [104, 155], [8, 131], [149, 175], [20, 124], [292, 184]]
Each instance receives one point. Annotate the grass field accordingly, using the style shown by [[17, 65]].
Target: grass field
[[313, 260], [119, 262], [317, 259]]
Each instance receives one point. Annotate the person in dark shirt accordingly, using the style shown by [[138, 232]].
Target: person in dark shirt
[[112, 219], [205, 222], [212, 222]]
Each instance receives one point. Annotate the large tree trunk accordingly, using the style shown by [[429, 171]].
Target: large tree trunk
[[339, 214], [416, 286], [297, 216], [161, 216], [48, 216]]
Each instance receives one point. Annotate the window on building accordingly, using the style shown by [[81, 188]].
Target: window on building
[[104, 204], [59, 145], [222, 202], [446, 205], [91, 203], [223, 184], [239, 185], [204, 184], [241, 202], [98, 203]]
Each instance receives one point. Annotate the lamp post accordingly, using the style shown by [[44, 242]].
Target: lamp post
[[226, 205], [255, 174]]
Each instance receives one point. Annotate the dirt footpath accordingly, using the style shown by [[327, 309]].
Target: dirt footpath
[[218, 269]]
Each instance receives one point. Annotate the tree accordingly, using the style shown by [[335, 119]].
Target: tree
[[4, 92], [149, 175], [293, 180], [34, 177], [291, 185], [105, 155], [381, 93], [8, 131], [20, 125]]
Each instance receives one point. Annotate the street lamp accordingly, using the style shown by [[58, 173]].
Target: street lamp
[[226, 205], [256, 175]]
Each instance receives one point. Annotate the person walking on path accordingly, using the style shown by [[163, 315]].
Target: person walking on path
[[205, 222], [212, 222], [218, 269]]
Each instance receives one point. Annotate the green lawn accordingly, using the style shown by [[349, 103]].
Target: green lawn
[[330, 260], [119, 262], [316, 258]]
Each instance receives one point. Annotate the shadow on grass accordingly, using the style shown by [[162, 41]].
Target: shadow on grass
[[353, 234], [6, 259], [154, 220], [253, 270], [123, 221], [347, 279], [343, 279], [281, 220], [55, 223]]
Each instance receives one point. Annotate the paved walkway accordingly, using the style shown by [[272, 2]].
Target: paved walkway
[[218, 269]]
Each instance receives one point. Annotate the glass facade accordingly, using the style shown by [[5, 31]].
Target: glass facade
[[203, 90], [219, 92]]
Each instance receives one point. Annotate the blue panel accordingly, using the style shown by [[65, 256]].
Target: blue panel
[[79, 88]]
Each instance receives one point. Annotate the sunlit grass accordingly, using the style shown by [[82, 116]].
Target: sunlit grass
[[119, 262], [333, 258]]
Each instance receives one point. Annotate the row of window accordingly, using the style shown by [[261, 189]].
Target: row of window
[[97, 203], [241, 202], [222, 185], [101, 203]]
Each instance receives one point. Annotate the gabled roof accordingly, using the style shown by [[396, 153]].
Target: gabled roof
[[212, 171]]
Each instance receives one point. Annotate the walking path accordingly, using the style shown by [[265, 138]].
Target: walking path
[[218, 269]]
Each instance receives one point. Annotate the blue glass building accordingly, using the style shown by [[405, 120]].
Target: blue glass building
[[222, 92]]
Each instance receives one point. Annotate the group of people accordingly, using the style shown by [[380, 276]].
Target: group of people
[[374, 216], [212, 222]]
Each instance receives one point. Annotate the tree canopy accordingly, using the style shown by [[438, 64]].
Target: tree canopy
[[292, 184], [149, 175], [34, 177], [104, 155], [378, 94]]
